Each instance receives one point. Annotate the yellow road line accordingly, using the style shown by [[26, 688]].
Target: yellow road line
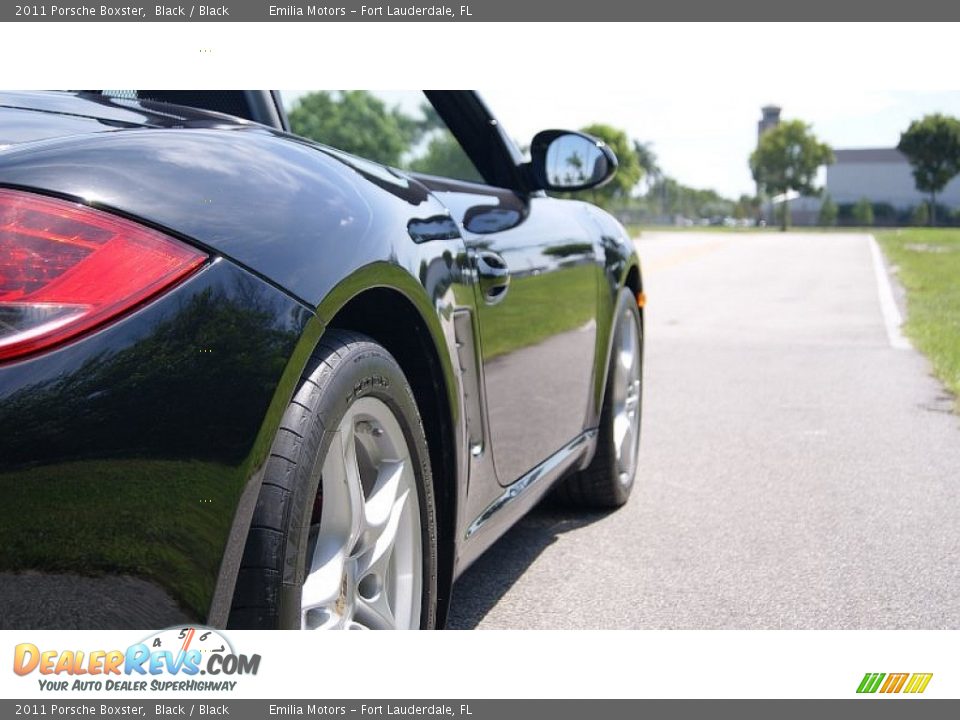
[[681, 256]]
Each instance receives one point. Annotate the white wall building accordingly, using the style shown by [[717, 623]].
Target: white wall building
[[882, 175]]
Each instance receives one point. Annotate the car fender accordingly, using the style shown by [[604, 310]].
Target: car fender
[[318, 225]]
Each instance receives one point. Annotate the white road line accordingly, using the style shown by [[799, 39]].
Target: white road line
[[892, 319]]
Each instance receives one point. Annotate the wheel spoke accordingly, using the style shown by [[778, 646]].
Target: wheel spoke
[[376, 569], [375, 613], [626, 359], [377, 560], [343, 502], [353, 486], [379, 507], [628, 345], [632, 399], [621, 435], [630, 449], [322, 597], [322, 589]]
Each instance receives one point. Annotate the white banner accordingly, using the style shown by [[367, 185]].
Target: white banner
[[589, 664]]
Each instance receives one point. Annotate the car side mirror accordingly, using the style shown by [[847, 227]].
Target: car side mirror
[[565, 160]]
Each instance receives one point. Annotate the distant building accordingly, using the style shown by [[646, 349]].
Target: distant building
[[882, 175], [769, 119]]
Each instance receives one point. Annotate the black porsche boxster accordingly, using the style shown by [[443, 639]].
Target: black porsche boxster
[[253, 381]]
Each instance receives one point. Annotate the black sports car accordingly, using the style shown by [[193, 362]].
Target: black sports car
[[253, 381]]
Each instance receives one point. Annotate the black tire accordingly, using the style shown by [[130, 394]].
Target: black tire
[[345, 366], [601, 484]]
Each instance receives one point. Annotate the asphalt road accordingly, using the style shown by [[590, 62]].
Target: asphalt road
[[797, 471]]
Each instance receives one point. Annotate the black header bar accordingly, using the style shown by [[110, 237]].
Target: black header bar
[[855, 11]]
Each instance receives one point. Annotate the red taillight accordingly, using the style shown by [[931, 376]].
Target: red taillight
[[65, 268]]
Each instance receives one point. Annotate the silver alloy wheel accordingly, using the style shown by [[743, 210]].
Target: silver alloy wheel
[[364, 558], [626, 396]]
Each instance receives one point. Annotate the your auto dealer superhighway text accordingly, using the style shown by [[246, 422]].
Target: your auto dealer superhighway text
[[184, 11]]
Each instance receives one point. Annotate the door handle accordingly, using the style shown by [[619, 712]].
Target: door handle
[[494, 276]]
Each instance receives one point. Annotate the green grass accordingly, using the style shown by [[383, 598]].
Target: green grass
[[928, 262], [636, 230]]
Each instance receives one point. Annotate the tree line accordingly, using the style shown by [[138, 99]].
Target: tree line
[[785, 161], [360, 123]]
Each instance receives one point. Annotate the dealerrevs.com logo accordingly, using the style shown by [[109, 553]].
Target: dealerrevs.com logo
[[910, 683], [172, 659]]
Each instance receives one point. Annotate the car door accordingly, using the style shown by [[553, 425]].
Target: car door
[[537, 280]]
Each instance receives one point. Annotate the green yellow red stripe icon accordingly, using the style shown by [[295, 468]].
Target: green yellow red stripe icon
[[913, 683]]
